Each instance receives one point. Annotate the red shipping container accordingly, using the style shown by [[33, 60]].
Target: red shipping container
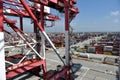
[[99, 49]]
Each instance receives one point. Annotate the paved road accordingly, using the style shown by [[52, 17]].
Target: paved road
[[103, 71], [88, 71], [86, 42], [97, 66]]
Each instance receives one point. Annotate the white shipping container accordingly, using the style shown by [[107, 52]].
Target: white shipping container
[[91, 49], [108, 48], [115, 52]]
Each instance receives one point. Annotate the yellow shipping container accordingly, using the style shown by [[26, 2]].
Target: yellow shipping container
[[107, 53]]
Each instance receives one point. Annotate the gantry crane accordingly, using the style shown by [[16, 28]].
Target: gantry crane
[[35, 10]]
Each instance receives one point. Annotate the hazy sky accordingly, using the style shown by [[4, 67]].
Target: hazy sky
[[94, 16]]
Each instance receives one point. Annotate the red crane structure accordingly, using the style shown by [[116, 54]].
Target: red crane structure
[[35, 10]]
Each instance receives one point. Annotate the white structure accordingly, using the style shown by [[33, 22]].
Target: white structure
[[2, 58], [46, 9], [108, 48]]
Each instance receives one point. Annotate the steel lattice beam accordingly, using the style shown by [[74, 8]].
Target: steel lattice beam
[[22, 9]]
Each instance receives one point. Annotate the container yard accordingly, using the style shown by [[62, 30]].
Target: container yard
[[29, 52]]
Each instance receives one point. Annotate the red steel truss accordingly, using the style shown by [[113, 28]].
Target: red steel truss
[[34, 9]]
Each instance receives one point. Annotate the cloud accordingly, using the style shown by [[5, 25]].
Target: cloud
[[116, 21], [115, 13]]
